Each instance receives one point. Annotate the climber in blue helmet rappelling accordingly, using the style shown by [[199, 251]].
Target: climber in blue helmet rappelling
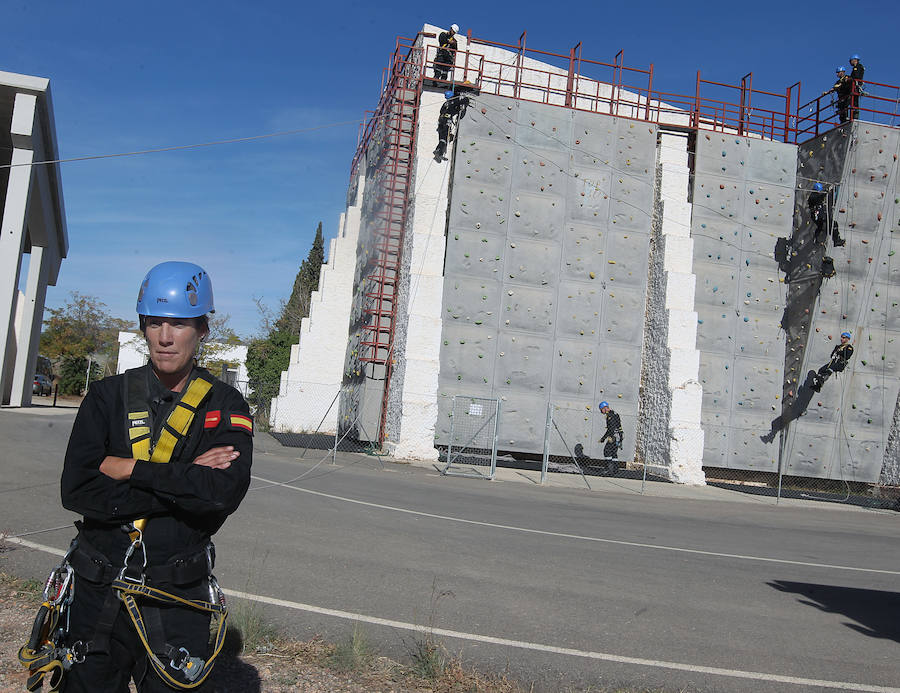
[[453, 108], [840, 356]]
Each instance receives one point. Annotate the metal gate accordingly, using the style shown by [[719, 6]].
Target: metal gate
[[472, 450]]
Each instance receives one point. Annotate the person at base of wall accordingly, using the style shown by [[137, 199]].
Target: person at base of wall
[[614, 436]]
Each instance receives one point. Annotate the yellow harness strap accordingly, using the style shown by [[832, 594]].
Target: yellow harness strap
[[172, 432]]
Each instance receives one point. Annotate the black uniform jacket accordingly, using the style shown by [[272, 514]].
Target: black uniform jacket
[[186, 503], [841, 355]]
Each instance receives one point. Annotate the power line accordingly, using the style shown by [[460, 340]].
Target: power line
[[180, 147]]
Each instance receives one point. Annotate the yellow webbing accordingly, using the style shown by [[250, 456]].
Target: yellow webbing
[[172, 432], [219, 613], [179, 420]]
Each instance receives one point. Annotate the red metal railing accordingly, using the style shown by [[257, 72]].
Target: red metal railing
[[870, 101]]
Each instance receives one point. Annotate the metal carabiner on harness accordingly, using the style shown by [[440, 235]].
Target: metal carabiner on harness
[[56, 589], [138, 543]]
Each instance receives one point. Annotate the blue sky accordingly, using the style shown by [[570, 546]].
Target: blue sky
[[128, 76]]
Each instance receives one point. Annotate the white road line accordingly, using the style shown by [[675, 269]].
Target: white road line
[[525, 645], [564, 535]]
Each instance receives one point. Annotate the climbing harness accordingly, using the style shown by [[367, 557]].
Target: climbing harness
[[45, 654]]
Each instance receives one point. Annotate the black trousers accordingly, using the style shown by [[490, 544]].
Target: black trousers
[[443, 63], [110, 671]]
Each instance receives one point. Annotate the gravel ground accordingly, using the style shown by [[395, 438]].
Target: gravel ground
[[277, 666]]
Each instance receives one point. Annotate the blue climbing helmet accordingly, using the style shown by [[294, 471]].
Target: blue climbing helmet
[[840, 68], [846, 334], [855, 56], [448, 94], [819, 187], [176, 290], [603, 404]]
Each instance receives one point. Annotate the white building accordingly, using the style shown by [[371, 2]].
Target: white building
[[133, 354], [33, 223]]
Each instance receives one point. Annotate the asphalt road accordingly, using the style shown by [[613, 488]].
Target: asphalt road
[[560, 586]]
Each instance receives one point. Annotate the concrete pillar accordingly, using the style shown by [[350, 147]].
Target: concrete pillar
[[12, 233], [29, 335]]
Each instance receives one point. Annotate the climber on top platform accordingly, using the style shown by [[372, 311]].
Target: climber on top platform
[[843, 87], [445, 58], [857, 73]]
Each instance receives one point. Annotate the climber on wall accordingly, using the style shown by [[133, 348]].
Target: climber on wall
[[453, 108], [840, 356], [820, 204]]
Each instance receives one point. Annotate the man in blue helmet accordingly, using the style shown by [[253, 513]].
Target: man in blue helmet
[[843, 87], [840, 356], [857, 72], [158, 457], [453, 108], [614, 436], [819, 206]]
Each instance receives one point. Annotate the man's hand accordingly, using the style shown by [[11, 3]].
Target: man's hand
[[118, 468], [218, 458]]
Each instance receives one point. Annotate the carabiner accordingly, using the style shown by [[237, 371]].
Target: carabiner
[[123, 574], [58, 584]]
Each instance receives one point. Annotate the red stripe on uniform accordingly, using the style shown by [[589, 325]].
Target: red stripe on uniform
[[212, 419]]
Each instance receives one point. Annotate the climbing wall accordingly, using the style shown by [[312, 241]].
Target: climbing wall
[[546, 267], [843, 431], [742, 206]]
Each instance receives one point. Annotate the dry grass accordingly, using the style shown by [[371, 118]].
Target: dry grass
[[260, 660]]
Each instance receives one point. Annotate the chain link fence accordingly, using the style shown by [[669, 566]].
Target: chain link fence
[[743, 458], [472, 447]]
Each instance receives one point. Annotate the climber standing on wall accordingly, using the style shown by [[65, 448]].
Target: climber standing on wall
[[840, 356], [857, 72], [614, 437], [843, 87], [453, 108], [445, 58], [819, 206]]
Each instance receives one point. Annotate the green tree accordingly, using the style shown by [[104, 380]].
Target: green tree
[[306, 281], [221, 338], [73, 375], [81, 327], [269, 355]]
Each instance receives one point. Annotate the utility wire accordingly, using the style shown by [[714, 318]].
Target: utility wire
[[181, 147]]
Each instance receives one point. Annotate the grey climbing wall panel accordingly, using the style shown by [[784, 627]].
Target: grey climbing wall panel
[[843, 431], [546, 268], [742, 204]]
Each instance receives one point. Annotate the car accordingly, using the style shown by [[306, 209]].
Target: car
[[42, 385]]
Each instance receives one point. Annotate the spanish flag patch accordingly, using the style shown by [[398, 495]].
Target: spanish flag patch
[[241, 423]]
